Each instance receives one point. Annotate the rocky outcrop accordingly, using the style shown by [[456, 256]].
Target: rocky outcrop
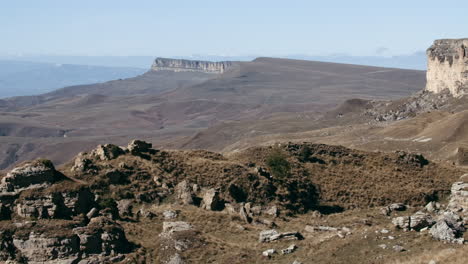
[[451, 223], [459, 197], [82, 164], [417, 221], [40, 248], [55, 205], [102, 236], [449, 227], [273, 235], [211, 200], [184, 193], [100, 241], [447, 67], [39, 173], [175, 238], [136, 147], [163, 64], [177, 226], [125, 208], [107, 152], [40, 207]]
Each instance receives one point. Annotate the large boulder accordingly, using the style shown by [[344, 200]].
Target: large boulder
[[184, 193], [244, 213], [102, 236], [177, 226], [137, 147], [82, 164], [443, 231], [273, 235], [107, 152], [417, 221], [78, 201], [40, 248], [125, 207], [449, 227], [35, 174], [61, 205], [43, 207], [211, 200]]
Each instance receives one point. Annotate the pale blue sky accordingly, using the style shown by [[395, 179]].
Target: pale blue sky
[[240, 27]]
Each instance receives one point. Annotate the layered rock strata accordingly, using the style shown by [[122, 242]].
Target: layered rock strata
[[447, 66], [177, 65]]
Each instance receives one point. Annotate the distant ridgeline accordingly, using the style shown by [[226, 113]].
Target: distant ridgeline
[[447, 67], [177, 65]]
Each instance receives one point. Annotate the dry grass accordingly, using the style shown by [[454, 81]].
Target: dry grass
[[223, 242], [455, 255]]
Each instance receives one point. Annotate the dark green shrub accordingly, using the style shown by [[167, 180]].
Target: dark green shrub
[[278, 164], [304, 153], [107, 203]]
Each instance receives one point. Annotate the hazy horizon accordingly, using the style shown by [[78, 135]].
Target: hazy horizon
[[243, 28]]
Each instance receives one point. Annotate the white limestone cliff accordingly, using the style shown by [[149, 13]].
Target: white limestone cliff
[[447, 67]]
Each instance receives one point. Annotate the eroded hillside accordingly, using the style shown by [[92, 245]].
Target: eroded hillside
[[145, 205]]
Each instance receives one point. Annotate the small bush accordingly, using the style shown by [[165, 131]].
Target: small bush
[[278, 164], [304, 153], [107, 203]]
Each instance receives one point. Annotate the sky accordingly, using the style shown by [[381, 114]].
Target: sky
[[227, 28]]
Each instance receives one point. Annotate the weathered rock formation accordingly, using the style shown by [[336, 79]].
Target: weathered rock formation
[[447, 67], [30, 175], [163, 64]]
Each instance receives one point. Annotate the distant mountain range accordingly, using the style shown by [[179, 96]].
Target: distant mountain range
[[179, 108], [416, 61], [30, 75], [19, 78]]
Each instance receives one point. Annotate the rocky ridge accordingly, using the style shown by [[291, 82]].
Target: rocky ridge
[[88, 213]]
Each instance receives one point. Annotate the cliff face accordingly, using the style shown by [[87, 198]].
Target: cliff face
[[447, 66], [163, 64]]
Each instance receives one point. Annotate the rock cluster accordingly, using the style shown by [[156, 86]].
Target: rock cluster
[[52, 218], [451, 223], [444, 224], [421, 102], [29, 196], [99, 241], [163, 64], [417, 221], [459, 197]]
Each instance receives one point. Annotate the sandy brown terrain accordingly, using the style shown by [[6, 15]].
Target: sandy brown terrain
[[168, 108]]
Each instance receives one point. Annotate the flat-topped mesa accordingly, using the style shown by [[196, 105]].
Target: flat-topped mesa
[[177, 65], [447, 66]]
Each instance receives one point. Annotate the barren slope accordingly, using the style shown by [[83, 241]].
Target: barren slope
[[169, 107]]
